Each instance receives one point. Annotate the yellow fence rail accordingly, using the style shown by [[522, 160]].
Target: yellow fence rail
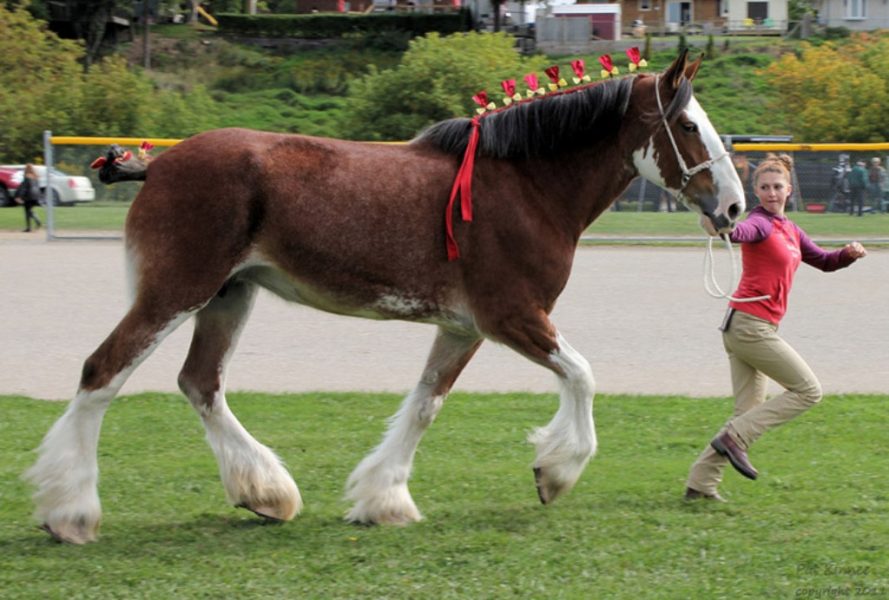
[[837, 147], [67, 140]]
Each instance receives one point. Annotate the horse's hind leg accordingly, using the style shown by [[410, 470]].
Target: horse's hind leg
[[252, 475], [66, 472], [566, 444], [378, 485]]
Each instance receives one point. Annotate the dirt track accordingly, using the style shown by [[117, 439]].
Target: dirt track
[[639, 315]]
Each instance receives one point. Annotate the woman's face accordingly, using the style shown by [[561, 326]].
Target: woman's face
[[773, 190]]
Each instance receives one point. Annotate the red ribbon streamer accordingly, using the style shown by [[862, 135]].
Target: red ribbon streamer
[[463, 186]]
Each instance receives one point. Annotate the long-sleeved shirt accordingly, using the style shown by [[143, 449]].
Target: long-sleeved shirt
[[772, 248]]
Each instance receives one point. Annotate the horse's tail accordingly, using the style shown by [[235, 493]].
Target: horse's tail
[[120, 165]]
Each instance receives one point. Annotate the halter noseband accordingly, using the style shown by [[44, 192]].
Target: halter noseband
[[687, 173]]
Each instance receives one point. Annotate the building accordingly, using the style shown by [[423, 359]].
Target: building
[[857, 15]]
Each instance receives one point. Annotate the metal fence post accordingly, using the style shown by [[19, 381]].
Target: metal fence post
[[47, 200]]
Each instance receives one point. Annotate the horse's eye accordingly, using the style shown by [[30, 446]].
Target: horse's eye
[[689, 127]]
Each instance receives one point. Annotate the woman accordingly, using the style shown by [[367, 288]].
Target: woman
[[28, 195], [772, 248]]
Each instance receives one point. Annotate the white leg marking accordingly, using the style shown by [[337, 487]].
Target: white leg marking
[[378, 485], [66, 473], [566, 444], [252, 475]]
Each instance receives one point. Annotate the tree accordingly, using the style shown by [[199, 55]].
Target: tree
[[46, 88], [835, 92], [435, 80], [42, 82]]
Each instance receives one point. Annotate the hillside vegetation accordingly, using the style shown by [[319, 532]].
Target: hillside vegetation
[[363, 89], [312, 90]]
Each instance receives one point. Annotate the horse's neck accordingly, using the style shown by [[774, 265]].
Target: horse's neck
[[581, 185]]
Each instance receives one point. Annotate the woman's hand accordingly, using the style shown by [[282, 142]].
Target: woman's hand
[[855, 250]]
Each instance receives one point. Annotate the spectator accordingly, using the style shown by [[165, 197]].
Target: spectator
[[876, 183], [857, 186]]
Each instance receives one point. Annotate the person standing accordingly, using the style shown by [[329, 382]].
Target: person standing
[[876, 182], [857, 185], [28, 195], [772, 247]]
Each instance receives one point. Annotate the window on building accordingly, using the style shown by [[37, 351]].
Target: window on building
[[856, 9], [644, 5], [679, 12], [758, 11]]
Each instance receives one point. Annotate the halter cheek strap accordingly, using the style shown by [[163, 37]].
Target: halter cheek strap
[[687, 173]]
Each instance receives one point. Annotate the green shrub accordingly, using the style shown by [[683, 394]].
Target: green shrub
[[435, 80]]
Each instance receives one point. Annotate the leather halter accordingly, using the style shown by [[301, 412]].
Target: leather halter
[[687, 173]]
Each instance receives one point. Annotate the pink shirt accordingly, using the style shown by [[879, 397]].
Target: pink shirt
[[772, 248]]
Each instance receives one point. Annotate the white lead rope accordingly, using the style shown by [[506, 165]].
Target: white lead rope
[[710, 283]]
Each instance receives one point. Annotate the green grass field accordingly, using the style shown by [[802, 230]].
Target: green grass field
[[814, 524], [109, 217]]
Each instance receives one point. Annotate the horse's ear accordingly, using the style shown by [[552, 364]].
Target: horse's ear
[[676, 71], [691, 69]]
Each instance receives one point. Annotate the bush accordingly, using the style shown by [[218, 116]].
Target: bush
[[435, 80]]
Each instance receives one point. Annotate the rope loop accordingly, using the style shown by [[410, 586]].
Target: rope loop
[[710, 283]]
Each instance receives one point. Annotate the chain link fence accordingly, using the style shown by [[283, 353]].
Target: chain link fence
[[820, 184]]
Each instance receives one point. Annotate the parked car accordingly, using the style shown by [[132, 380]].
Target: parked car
[[63, 189], [8, 185]]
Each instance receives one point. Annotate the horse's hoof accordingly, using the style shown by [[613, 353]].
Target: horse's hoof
[[69, 535], [264, 512], [541, 493], [399, 517], [548, 489]]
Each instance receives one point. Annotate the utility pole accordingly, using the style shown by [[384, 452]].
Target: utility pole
[[146, 44]]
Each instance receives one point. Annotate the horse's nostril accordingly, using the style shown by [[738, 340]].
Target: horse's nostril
[[733, 211]]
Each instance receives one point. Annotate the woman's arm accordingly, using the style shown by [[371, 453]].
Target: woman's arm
[[755, 228], [818, 257]]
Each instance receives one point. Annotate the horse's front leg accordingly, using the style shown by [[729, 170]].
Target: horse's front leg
[[566, 444], [378, 485]]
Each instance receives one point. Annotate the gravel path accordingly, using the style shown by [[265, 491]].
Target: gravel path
[[639, 315]]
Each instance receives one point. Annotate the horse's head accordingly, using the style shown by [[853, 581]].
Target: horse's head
[[684, 154]]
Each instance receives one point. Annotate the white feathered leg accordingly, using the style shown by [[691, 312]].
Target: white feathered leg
[[566, 444], [252, 475], [378, 485], [66, 473]]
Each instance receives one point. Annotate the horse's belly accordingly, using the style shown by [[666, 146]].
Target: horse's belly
[[390, 304]]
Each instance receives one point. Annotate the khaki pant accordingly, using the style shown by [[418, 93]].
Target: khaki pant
[[756, 353]]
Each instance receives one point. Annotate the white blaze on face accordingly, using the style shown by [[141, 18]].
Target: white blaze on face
[[729, 190]]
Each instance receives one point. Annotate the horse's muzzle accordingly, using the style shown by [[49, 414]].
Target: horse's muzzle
[[717, 225]]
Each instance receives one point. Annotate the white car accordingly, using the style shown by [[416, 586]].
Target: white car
[[63, 188]]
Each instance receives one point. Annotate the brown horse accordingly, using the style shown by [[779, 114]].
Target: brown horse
[[360, 229]]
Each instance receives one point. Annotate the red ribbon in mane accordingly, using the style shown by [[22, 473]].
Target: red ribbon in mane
[[463, 186], [463, 180]]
